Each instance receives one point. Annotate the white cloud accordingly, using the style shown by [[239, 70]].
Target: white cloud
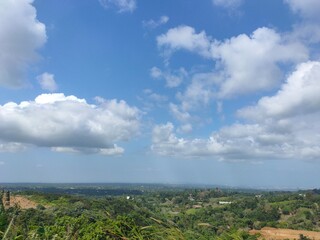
[[151, 24], [66, 123], [299, 95], [150, 100], [251, 63], [176, 78], [185, 128], [239, 142], [308, 33], [155, 97], [230, 4], [306, 8], [199, 92], [245, 64], [21, 34], [122, 5], [308, 29], [293, 112], [155, 72], [163, 133], [184, 37], [166, 143], [283, 126], [47, 82], [179, 114], [173, 79]]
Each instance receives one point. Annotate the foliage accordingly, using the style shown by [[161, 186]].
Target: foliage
[[161, 214]]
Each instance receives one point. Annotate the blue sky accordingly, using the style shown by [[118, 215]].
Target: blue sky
[[212, 92]]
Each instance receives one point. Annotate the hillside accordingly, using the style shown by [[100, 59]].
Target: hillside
[[161, 213]]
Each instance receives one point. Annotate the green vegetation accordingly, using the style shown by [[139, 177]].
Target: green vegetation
[[159, 214]]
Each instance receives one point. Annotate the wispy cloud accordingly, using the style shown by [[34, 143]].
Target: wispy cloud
[[121, 5], [152, 24], [228, 4], [47, 82], [173, 79], [308, 9]]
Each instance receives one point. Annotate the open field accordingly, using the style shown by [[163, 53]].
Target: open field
[[22, 202], [269, 233]]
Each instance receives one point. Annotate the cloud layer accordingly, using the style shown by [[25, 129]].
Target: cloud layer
[[67, 123], [21, 34], [282, 126]]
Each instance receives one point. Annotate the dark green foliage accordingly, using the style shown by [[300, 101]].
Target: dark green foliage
[[302, 237], [3, 216]]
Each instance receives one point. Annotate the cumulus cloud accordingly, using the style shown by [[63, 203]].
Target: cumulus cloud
[[166, 143], [122, 5], [184, 37], [251, 63], [67, 123], [47, 82], [282, 126], [239, 142], [21, 34], [173, 79], [152, 24], [299, 95], [245, 63]]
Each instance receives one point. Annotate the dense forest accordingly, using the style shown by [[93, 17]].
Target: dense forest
[[154, 213]]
